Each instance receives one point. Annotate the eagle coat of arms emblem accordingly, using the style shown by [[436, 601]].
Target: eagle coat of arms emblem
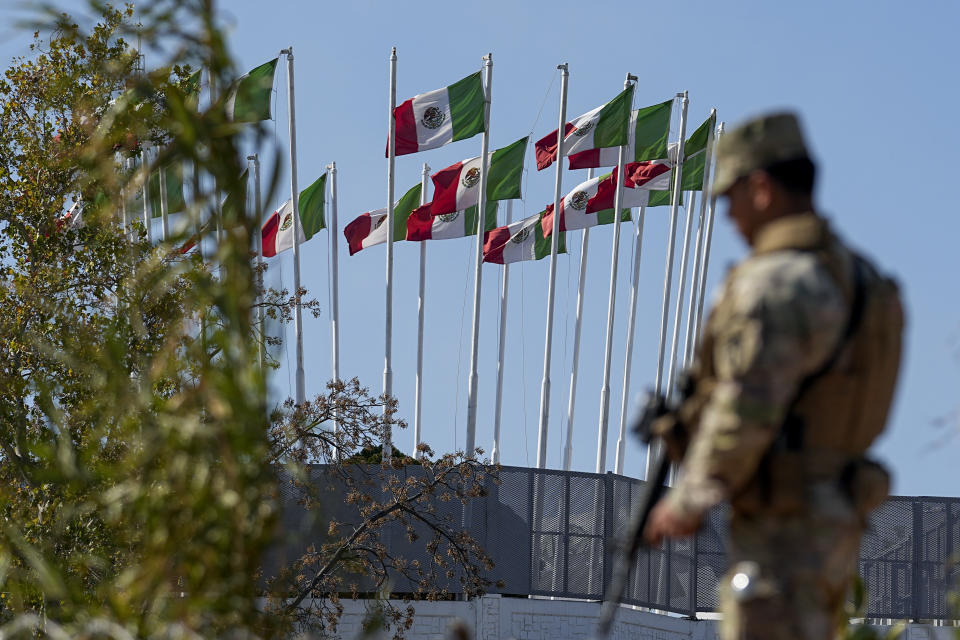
[[471, 178], [520, 236], [583, 130], [579, 200], [433, 117]]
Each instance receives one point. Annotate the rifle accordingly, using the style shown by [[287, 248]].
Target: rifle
[[654, 407]]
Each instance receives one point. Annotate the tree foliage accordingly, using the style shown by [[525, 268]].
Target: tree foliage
[[139, 458]]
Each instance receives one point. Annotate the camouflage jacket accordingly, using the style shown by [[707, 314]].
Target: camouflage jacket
[[779, 318]]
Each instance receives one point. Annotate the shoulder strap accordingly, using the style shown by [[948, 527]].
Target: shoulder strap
[[793, 427]]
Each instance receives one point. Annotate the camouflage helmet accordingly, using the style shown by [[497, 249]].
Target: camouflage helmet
[[756, 144]]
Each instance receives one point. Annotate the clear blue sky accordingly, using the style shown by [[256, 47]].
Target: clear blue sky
[[875, 84]]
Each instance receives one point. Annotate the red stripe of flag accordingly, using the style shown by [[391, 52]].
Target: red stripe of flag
[[356, 231], [637, 174], [445, 184], [406, 131], [546, 146], [605, 195], [585, 159], [546, 221], [493, 243], [269, 231], [420, 224]]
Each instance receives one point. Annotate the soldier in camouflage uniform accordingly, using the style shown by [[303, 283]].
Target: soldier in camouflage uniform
[[785, 399]]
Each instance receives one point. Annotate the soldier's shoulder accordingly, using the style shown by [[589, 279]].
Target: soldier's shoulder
[[784, 278]]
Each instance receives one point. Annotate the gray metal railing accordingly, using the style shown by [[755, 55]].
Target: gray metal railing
[[553, 533]]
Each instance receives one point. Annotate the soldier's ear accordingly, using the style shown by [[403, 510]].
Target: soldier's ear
[[761, 188]]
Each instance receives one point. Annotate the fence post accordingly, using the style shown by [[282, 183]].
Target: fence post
[[609, 532], [694, 566], [533, 529], [565, 536], [915, 600], [950, 565]]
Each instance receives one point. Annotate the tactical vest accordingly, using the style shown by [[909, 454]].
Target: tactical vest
[[842, 406]]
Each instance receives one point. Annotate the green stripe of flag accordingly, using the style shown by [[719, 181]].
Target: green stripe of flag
[[192, 84], [311, 203], [466, 106], [233, 207], [175, 201], [606, 216], [250, 95], [697, 141], [506, 171], [470, 218], [191, 89], [661, 199], [542, 245], [406, 204], [693, 172], [652, 131], [614, 120], [695, 152]]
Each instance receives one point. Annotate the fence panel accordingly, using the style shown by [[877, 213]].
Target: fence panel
[[554, 533]]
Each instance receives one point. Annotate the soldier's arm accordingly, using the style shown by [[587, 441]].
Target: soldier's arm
[[779, 325]]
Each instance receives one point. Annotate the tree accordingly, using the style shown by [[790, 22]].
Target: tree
[[419, 502], [111, 401], [138, 462]]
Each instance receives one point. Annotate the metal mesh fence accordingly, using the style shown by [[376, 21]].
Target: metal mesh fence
[[554, 533]]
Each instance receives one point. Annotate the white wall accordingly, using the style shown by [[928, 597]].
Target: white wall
[[494, 617]]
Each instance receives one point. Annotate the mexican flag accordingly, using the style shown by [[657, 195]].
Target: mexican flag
[[695, 156], [579, 220], [436, 118], [650, 125], [605, 126], [191, 89], [248, 98], [521, 240], [423, 225], [73, 218], [456, 188], [649, 174], [369, 229], [278, 229], [175, 201], [597, 195]]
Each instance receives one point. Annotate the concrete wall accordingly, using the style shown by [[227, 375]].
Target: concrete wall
[[494, 617]]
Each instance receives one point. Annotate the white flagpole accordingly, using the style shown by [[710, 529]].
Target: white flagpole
[[498, 407], [145, 190], [671, 248], [258, 208], [611, 309], [164, 206], [216, 204], [572, 395], [678, 307], [334, 275], [686, 357], [387, 451], [295, 201], [334, 291], [125, 221], [631, 324], [471, 442], [420, 311], [698, 249], [706, 254], [671, 242], [551, 287]]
